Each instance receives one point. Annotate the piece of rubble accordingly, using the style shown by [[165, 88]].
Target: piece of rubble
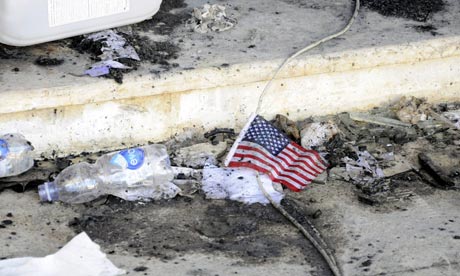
[[197, 156], [186, 173], [188, 187], [211, 18], [317, 134], [321, 178], [220, 135], [287, 126], [339, 173], [397, 165], [442, 166], [412, 110], [378, 120], [239, 184]]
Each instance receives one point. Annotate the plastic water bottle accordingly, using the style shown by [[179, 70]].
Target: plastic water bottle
[[15, 155], [132, 174]]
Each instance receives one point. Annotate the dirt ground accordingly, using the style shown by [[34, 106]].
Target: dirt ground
[[418, 235]]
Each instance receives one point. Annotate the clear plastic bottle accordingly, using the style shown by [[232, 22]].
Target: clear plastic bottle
[[133, 174], [15, 155]]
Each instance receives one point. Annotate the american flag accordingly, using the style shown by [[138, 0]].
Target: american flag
[[262, 147]]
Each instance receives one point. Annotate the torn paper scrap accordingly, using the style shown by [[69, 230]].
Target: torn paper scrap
[[80, 257], [239, 184], [211, 18], [103, 68]]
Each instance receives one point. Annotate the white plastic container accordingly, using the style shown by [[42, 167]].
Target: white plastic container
[[27, 22]]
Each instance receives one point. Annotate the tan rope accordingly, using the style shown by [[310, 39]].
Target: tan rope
[[306, 49], [329, 258]]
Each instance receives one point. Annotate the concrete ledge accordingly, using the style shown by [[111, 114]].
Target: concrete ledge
[[90, 116]]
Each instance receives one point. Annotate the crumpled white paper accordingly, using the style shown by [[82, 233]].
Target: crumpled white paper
[[239, 184], [211, 18], [80, 257]]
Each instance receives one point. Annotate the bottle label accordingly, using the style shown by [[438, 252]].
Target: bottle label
[[3, 149], [131, 159], [61, 12]]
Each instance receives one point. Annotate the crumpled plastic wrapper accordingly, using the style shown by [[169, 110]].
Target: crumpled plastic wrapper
[[211, 18], [80, 257]]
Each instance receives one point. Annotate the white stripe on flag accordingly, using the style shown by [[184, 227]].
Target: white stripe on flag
[[304, 154]]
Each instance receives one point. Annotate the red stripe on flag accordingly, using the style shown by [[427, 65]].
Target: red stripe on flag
[[249, 156], [293, 162], [307, 162], [282, 156], [315, 153], [317, 163], [282, 164]]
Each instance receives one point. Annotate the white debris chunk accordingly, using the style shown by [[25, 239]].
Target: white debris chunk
[[239, 184], [80, 257], [211, 18], [316, 134]]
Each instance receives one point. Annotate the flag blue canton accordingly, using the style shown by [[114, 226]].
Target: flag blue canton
[[263, 133]]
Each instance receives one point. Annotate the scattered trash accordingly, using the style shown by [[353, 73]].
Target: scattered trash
[[364, 170], [15, 155], [197, 155], [317, 134], [238, 184], [113, 47], [412, 110], [211, 18], [134, 174], [80, 256]]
